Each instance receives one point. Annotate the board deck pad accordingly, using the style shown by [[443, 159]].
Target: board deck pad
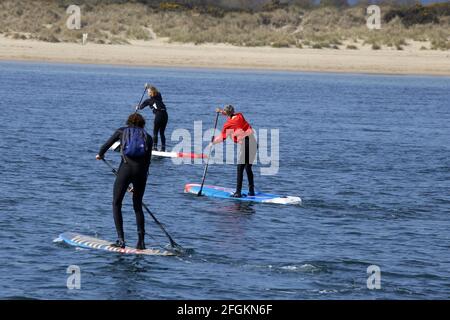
[[87, 242], [166, 154], [225, 193]]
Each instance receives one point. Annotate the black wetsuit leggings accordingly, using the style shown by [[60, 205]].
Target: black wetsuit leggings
[[247, 166], [240, 176], [159, 126], [127, 174]]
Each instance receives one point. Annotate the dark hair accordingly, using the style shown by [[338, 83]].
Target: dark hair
[[229, 110], [136, 120]]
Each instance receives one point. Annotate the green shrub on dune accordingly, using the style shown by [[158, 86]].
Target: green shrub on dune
[[243, 23]]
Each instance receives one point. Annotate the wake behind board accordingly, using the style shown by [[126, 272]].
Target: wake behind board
[[164, 154], [225, 193], [82, 241]]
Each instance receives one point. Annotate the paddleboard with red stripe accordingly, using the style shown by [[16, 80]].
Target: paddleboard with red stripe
[[86, 242], [165, 154]]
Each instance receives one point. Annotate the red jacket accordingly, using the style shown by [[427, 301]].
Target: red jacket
[[236, 127]]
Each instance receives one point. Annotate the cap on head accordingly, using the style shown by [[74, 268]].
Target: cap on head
[[229, 110]]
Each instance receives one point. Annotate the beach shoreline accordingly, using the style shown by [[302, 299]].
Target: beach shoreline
[[161, 53]]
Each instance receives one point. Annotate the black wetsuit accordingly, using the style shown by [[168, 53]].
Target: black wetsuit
[[135, 171], [161, 118]]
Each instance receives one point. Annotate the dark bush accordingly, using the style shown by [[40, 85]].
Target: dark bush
[[213, 11], [264, 19], [47, 37], [413, 15], [334, 3], [376, 47], [273, 5], [441, 9]]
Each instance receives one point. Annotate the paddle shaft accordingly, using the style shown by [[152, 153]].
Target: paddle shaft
[[209, 156], [143, 94], [172, 242]]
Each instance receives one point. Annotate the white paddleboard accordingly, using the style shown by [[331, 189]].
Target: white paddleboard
[[166, 154]]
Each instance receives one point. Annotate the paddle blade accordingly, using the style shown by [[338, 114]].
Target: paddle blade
[[179, 250]]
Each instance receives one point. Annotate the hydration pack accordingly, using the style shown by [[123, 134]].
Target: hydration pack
[[134, 142]]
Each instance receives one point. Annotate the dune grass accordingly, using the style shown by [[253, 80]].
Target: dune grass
[[280, 27]]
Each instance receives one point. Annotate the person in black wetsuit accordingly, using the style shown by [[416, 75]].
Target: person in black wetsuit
[[155, 102], [131, 170]]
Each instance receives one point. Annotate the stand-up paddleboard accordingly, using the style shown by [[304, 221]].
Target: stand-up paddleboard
[[164, 154], [225, 193], [82, 241]]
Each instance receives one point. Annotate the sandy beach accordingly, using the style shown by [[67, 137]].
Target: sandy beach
[[161, 53]]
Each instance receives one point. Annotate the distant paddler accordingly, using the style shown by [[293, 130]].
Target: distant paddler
[[241, 132], [156, 104]]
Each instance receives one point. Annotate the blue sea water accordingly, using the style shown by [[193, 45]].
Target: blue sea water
[[368, 154]]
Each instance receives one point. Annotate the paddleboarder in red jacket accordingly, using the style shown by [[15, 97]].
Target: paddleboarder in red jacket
[[238, 129]]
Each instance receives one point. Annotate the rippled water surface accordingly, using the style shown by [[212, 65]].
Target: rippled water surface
[[369, 155]]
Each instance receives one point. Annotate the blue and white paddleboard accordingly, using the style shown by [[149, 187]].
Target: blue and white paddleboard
[[82, 241], [225, 193]]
